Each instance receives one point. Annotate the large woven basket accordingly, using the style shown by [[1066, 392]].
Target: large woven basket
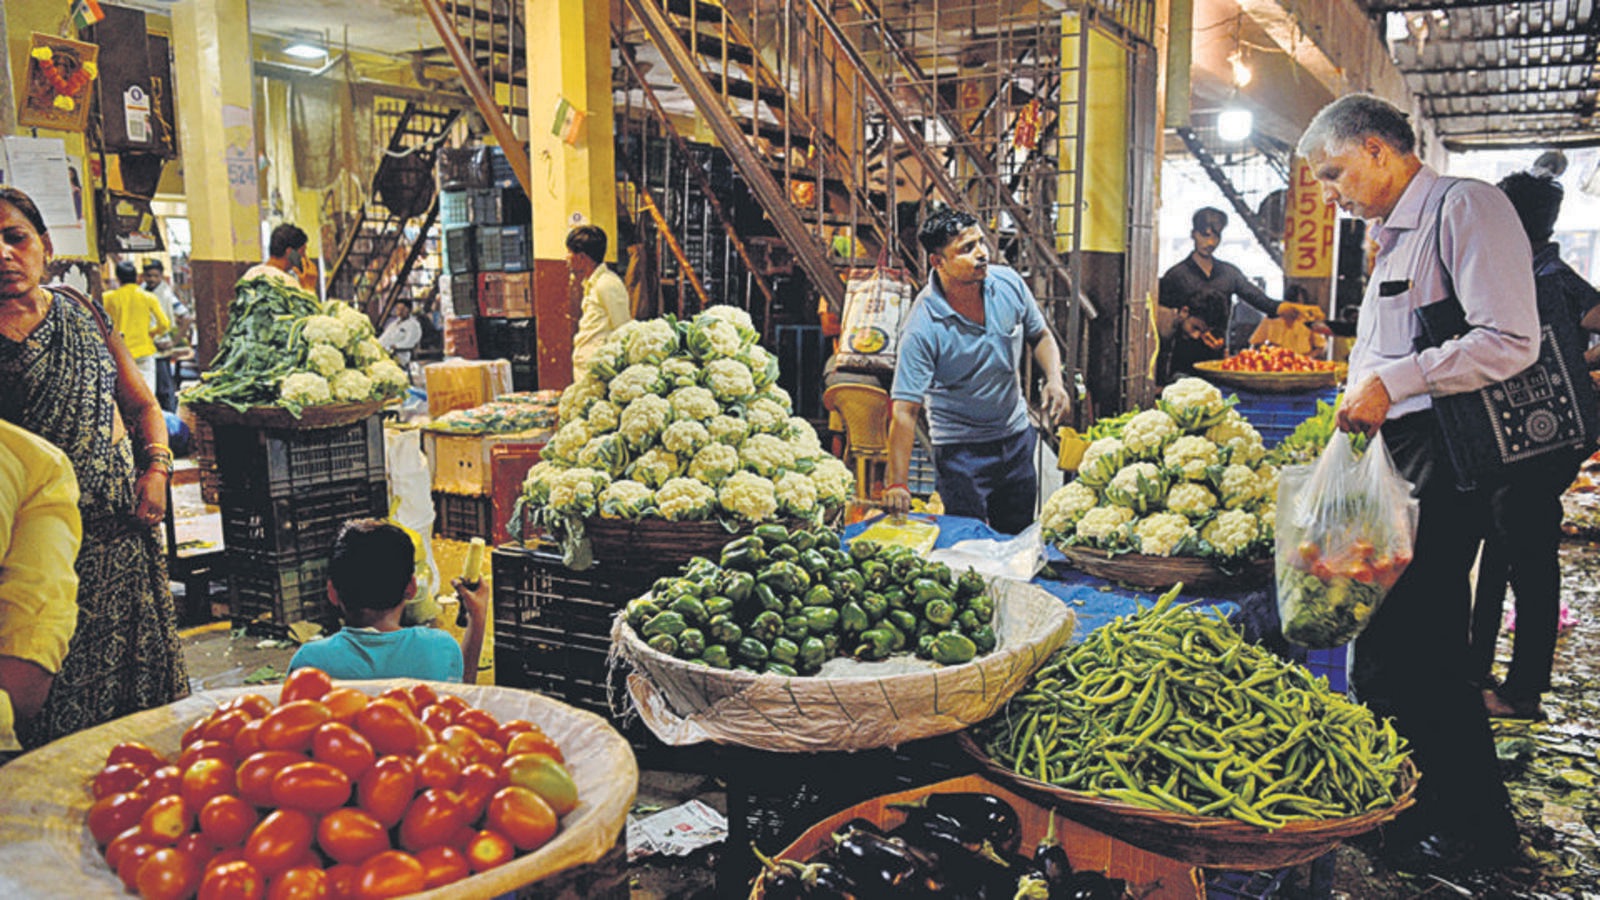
[[658, 542], [1210, 841], [329, 415], [1155, 573], [1271, 382]]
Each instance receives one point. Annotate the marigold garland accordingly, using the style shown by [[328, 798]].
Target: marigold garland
[[65, 86]]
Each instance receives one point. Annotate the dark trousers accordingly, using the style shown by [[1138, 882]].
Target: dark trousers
[[1411, 662], [1522, 548], [992, 480]]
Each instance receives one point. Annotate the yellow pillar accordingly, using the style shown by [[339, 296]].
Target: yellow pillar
[[574, 182], [216, 132], [1105, 137]]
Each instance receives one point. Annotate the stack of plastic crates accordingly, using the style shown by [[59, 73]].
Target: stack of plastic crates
[[284, 496], [1276, 416]]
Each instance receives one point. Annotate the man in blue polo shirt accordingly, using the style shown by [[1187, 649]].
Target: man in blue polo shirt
[[960, 352]]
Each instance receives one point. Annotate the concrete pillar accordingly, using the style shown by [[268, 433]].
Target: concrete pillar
[[572, 183], [216, 133]]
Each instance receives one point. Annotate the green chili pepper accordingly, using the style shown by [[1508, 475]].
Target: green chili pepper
[[813, 653], [795, 628], [765, 626], [939, 611], [876, 643], [777, 668], [752, 651], [784, 577], [744, 553], [724, 630], [771, 535], [821, 619], [902, 619], [716, 656], [863, 549], [736, 585], [639, 611], [852, 618], [692, 610], [718, 605], [766, 599], [691, 642], [984, 639], [951, 649], [668, 623], [784, 651], [876, 573], [875, 606], [970, 584], [664, 643]]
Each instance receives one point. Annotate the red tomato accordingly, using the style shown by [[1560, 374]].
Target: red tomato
[[227, 855], [464, 741], [136, 754], [118, 779], [438, 718], [235, 880], [350, 836], [113, 814], [305, 684], [342, 881], [167, 819], [254, 776], [254, 704], [199, 848], [163, 782], [545, 777], [443, 865], [523, 817], [344, 703], [478, 784], [508, 730], [248, 740], [289, 727], [279, 841], [422, 696], [169, 874], [342, 747], [205, 779], [386, 790], [484, 724], [401, 696], [226, 726], [488, 849], [391, 873], [132, 859], [534, 742], [431, 820], [313, 787], [389, 726], [454, 703], [120, 844], [438, 767], [303, 883], [193, 732], [207, 749]]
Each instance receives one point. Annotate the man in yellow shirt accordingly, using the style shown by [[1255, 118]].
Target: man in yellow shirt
[[605, 297], [39, 535], [137, 313]]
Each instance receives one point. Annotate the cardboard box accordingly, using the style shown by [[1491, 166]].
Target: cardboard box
[[462, 463], [461, 337], [517, 295], [465, 383]]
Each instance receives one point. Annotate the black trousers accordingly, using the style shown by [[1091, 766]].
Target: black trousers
[[1411, 662]]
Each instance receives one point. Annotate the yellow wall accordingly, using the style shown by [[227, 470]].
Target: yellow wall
[[1105, 137], [570, 181]]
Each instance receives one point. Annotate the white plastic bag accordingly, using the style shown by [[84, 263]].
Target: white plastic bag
[[1019, 557], [411, 499]]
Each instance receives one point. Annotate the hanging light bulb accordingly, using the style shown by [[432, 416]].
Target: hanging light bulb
[[1235, 123], [1241, 71]]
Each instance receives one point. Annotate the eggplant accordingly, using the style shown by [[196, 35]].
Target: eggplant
[[780, 879], [875, 862], [1051, 858], [1093, 886], [824, 881], [976, 817], [858, 824]]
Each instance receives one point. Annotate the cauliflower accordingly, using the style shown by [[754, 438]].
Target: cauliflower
[[1099, 525], [536, 486], [304, 389], [635, 382], [729, 380], [325, 360], [776, 395], [834, 481], [651, 341], [608, 453], [1232, 533], [576, 491], [1163, 534], [388, 379], [1147, 433], [766, 455], [351, 386], [610, 359], [1192, 500], [680, 372], [803, 437], [1267, 484], [1238, 487], [1103, 459], [766, 417], [1269, 522], [626, 500], [325, 330], [711, 338], [1190, 456], [358, 326], [564, 445], [1138, 486], [749, 496], [603, 416], [1062, 511], [642, 420], [695, 403], [733, 315], [655, 466], [684, 499], [728, 430], [796, 495], [763, 366], [685, 437], [1240, 442], [714, 463], [1193, 403], [578, 397], [368, 351]]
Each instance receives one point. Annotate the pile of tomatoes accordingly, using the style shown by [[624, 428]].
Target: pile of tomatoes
[[1272, 358], [331, 793]]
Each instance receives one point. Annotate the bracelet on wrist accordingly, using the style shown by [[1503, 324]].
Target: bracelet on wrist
[[897, 485]]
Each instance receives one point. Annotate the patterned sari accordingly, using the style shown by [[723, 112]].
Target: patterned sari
[[60, 383]]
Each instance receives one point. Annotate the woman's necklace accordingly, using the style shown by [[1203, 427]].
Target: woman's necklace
[[18, 321]]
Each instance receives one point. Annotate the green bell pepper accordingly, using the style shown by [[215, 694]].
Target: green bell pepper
[[939, 572], [784, 552], [967, 619], [777, 668], [897, 639], [904, 568], [819, 595], [952, 649], [765, 626], [736, 586], [716, 656], [784, 577], [982, 606], [718, 605], [902, 619], [802, 540], [926, 589], [821, 619], [847, 584], [925, 646], [876, 606], [863, 549], [724, 630], [876, 574], [784, 651], [691, 642], [983, 637], [766, 599], [813, 653], [668, 623], [793, 606], [698, 567], [744, 553], [837, 559], [692, 610], [795, 628], [814, 563], [970, 584], [639, 611], [752, 651], [876, 643], [830, 645], [939, 611], [664, 643], [771, 535], [661, 585], [852, 618]]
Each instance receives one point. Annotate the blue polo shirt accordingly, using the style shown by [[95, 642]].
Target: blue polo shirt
[[965, 373]]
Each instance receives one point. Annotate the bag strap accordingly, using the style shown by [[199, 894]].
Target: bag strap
[[1438, 244], [96, 312]]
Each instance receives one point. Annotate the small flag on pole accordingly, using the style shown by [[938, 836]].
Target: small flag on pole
[[568, 123], [86, 13]]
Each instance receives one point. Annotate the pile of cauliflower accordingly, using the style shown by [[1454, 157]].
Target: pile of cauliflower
[[344, 363], [1188, 478], [683, 421]]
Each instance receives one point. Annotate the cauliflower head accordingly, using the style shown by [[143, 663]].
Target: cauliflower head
[[1099, 525], [1232, 533], [1163, 534], [730, 430], [643, 419], [327, 330], [304, 389], [351, 386], [766, 455], [603, 416], [796, 495], [834, 481], [778, 396], [766, 417], [1238, 487], [578, 397], [608, 453], [536, 486], [368, 351], [733, 315], [1268, 514], [625, 500], [1239, 440], [680, 372], [685, 437], [714, 463], [1138, 486], [684, 499], [388, 378], [803, 437], [694, 403], [1147, 433], [635, 382], [748, 496], [1194, 501], [576, 491], [763, 365], [1267, 484], [564, 445], [655, 467], [325, 360], [610, 359], [1193, 403], [358, 325], [1062, 511], [729, 380], [651, 341], [1190, 456], [1101, 460], [711, 338]]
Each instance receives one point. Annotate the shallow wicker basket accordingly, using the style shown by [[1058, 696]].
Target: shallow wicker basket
[[659, 542], [1209, 841], [1155, 573], [330, 415], [1271, 382]]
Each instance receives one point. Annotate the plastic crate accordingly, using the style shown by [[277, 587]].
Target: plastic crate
[[491, 295], [462, 518], [1276, 416], [500, 206], [500, 171], [278, 463], [921, 476], [517, 290], [455, 208], [284, 593], [461, 249], [463, 168], [521, 344], [516, 248], [464, 294], [490, 258], [300, 527], [461, 337], [492, 337], [1332, 664], [1247, 885], [801, 352]]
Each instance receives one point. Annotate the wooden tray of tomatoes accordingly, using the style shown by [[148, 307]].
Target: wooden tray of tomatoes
[[1274, 370], [457, 791]]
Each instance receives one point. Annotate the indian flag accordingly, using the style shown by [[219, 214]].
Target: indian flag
[[86, 13], [568, 123]]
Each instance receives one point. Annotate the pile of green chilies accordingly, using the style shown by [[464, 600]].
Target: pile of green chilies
[[1171, 709]]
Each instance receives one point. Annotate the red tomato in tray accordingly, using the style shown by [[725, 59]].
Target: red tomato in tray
[[523, 817], [254, 704], [443, 865], [169, 874], [113, 814], [351, 836], [208, 749], [438, 718], [289, 727], [118, 779], [227, 726], [478, 783], [489, 849], [300, 883], [227, 820], [167, 819], [389, 726], [342, 747], [344, 703], [281, 839], [248, 740], [132, 860], [312, 787], [386, 790], [235, 880], [305, 684], [545, 777], [135, 754], [205, 779], [392, 873], [254, 776], [438, 767], [534, 742], [163, 782], [511, 729], [120, 844], [431, 820], [422, 696]]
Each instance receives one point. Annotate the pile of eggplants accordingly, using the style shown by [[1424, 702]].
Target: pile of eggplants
[[958, 846]]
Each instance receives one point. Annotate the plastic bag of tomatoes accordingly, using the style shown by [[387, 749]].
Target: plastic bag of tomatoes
[[367, 789]]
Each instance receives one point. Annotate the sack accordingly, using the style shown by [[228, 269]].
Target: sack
[[876, 304], [1346, 526]]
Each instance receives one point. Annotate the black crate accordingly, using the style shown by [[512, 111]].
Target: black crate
[[461, 249], [490, 258], [516, 248], [463, 168], [500, 206], [493, 337], [521, 342], [801, 352], [524, 376], [500, 171], [277, 463], [464, 294], [299, 527], [462, 518], [284, 592]]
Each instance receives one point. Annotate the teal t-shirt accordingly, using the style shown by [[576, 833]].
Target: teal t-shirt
[[361, 653]]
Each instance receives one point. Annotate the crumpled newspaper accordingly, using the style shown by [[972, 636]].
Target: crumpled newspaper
[[678, 831]]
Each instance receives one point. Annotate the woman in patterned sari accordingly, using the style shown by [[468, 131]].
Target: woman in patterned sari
[[68, 379]]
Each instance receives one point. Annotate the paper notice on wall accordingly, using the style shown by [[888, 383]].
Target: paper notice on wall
[[136, 113], [41, 168]]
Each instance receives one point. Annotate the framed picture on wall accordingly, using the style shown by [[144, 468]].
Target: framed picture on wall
[[56, 92]]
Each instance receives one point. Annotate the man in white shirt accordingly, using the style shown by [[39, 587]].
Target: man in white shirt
[[402, 334], [155, 281], [605, 297]]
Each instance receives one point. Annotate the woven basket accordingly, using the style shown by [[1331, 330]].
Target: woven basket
[[329, 415], [1156, 573], [1209, 841], [661, 543], [1271, 382]]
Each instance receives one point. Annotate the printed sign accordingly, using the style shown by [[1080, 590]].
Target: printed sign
[[1309, 228]]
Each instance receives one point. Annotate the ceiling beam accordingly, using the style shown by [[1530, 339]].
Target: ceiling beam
[[1435, 96], [1379, 7], [1584, 68]]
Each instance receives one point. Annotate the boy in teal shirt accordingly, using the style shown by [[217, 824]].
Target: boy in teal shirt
[[370, 578]]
